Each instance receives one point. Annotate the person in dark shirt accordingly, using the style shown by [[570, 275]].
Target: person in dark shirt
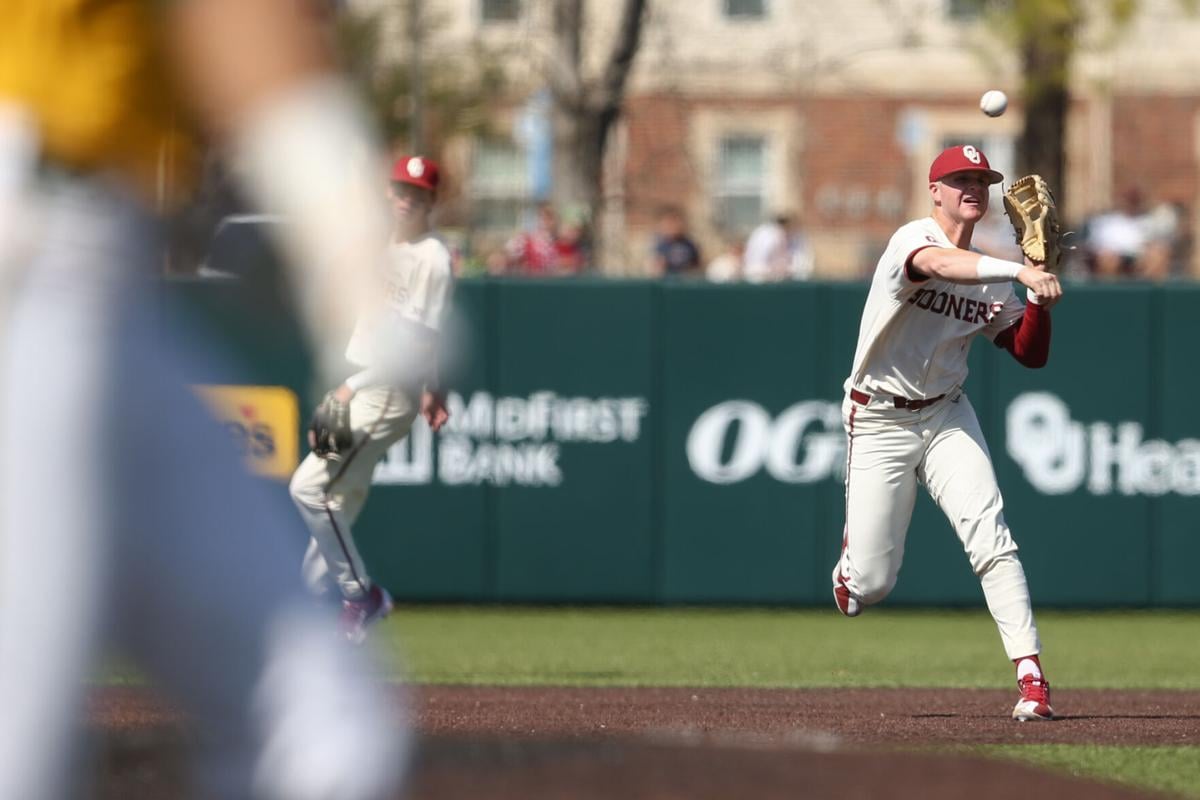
[[674, 251]]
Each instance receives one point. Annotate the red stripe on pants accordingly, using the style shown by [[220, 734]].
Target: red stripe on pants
[[849, 456]]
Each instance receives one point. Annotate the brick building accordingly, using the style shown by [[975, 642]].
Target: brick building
[[738, 108]]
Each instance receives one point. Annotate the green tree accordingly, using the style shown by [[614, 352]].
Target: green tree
[[1046, 35], [426, 94]]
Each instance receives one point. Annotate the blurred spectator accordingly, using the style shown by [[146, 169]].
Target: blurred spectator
[[777, 250], [1115, 239], [572, 245], [1163, 254], [1132, 241], [545, 250], [496, 263], [533, 252], [727, 266], [674, 251]]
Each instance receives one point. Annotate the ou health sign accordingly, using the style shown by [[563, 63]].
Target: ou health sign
[[735, 440]]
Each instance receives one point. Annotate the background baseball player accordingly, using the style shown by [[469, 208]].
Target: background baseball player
[[396, 344], [909, 421], [126, 516]]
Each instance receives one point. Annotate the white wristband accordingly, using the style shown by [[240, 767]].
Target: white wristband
[[995, 270], [1032, 297]]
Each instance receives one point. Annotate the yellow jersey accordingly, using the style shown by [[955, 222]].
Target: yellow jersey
[[92, 75]]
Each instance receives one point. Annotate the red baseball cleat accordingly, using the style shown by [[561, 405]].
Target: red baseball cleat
[[1034, 705], [847, 603], [357, 615]]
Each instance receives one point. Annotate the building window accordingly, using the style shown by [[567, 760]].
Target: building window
[[744, 9], [965, 10], [499, 185], [739, 195], [499, 10]]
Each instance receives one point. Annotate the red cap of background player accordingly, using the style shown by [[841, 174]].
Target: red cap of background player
[[416, 171], [962, 158]]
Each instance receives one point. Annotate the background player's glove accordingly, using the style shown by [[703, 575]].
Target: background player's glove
[[329, 433], [1031, 209]]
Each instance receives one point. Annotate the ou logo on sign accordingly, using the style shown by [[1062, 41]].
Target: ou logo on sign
[[804, 444]]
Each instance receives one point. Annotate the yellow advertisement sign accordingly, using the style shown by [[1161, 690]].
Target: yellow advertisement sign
[[263, 421]]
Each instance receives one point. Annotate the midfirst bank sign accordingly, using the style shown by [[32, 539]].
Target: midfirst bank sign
[[507, 441], [517, 441]]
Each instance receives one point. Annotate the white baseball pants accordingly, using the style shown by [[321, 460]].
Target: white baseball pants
[[890, 450], [330, 493]]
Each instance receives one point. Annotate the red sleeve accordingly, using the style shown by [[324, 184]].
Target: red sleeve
[[1028, 339], [909, 272]]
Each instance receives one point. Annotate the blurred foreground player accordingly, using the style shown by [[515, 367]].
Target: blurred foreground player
[[125, 514], [395, 345]]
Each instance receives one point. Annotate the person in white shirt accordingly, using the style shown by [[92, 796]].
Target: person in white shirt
[[909, 421], [776, 251], [396, 345], [727, 266]]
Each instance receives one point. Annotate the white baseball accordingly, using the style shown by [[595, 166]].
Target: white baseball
[[993, 102]]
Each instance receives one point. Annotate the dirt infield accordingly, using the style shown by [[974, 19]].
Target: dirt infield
[[701, 743]]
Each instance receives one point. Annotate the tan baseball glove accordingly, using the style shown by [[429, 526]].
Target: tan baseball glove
[[1031, 209]]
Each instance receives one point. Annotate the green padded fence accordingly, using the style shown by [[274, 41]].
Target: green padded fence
[[676, 442]]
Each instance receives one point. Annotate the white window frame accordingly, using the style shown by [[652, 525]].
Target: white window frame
[[517, 191], [722, 193]]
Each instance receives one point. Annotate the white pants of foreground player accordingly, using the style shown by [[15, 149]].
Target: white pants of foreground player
[[890, 451], [330, 493], [126, 517]]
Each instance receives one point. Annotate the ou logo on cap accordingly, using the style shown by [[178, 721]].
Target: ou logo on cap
[[416, 167], [971, 153]]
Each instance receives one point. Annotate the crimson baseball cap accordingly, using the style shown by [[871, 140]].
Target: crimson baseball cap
[[416, 171], [962, 158]]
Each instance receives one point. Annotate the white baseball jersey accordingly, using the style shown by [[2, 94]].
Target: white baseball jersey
[[913, 343], [914, 336], [418, 282]]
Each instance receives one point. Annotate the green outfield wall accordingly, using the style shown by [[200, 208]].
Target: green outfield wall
[[676, 442]]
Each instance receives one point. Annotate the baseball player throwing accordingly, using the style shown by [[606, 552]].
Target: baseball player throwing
[[909, 421], [396, 346]]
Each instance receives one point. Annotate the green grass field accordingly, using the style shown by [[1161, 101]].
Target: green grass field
[[798, 649]]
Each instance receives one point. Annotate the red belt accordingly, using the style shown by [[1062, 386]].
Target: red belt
[[900, 402]]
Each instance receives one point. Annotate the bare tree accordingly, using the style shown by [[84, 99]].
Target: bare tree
[[1045, 51], [1045, 35], [586, 108]]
